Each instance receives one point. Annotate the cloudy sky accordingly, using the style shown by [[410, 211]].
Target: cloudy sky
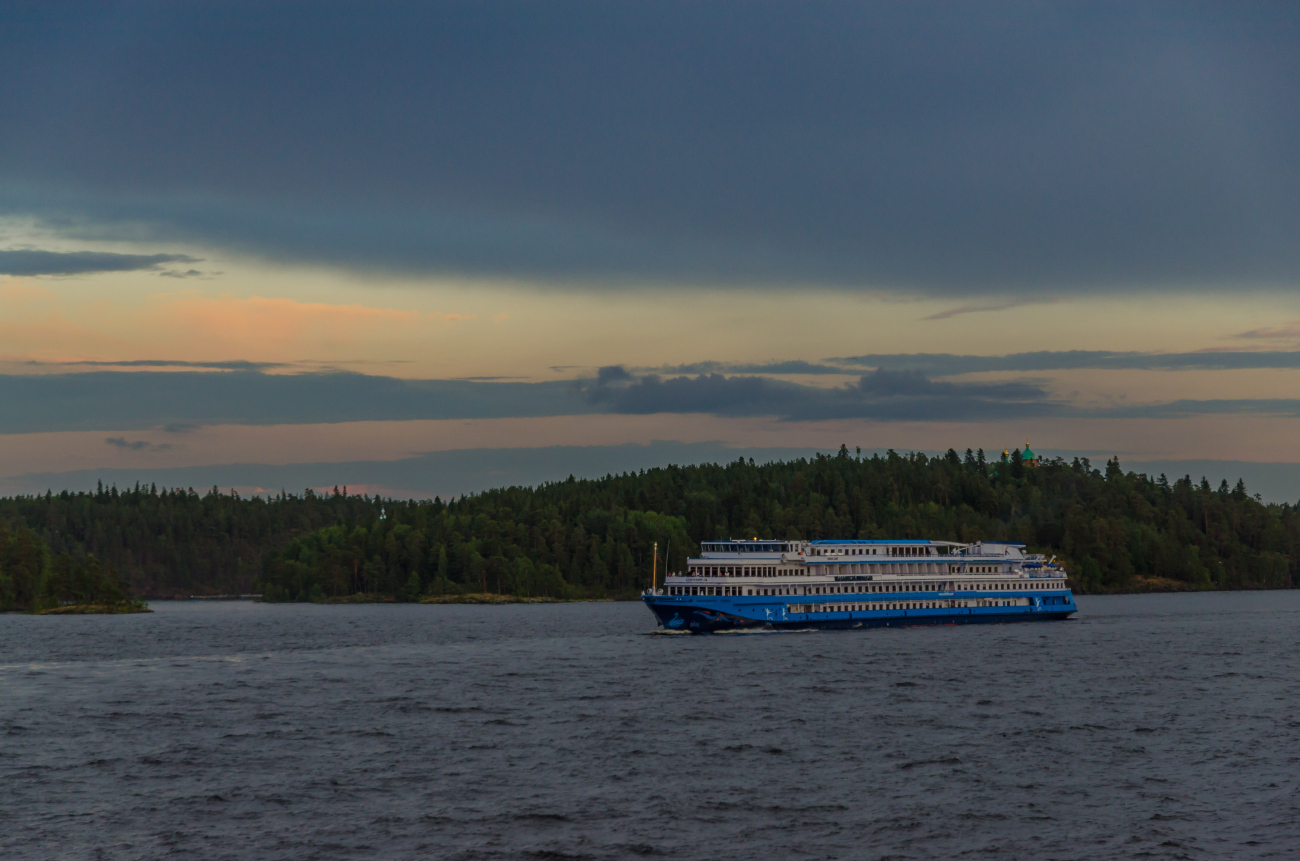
[[427, 248]]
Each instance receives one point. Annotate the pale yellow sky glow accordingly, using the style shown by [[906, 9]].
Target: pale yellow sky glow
[[446, 328], [310, 318]]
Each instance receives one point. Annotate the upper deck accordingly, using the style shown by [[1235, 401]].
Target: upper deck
[[901, 548], [863, 559]]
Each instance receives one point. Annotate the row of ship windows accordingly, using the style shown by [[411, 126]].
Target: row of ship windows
[[861, 588], [729, 547], [886, 568], [873, 551], [739, 571], [905, 605]]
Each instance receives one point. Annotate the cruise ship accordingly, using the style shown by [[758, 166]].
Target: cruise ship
[[735, 585]]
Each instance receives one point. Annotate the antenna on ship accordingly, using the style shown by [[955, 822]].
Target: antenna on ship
[[653, 568]]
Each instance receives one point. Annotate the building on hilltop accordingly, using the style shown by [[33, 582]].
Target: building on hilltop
[[1027, 456]]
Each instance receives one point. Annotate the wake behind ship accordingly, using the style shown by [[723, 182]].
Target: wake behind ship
[[859, 584]]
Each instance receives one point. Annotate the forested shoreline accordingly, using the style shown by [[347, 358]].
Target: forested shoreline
[[33, 578], [1114, 531]]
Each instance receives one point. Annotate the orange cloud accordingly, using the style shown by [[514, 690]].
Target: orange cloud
[[260, 319], [192, 325]]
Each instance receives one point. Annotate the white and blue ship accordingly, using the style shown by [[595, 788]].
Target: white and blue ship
[[734, 585]]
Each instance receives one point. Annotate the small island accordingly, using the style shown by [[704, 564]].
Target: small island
[[94, 609], [34, 580]]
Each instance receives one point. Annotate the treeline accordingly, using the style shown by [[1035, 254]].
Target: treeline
[[508, 542], [595, 538], [33, 578], [177, 543]]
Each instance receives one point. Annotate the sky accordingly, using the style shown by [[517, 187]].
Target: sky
[[432, 248]]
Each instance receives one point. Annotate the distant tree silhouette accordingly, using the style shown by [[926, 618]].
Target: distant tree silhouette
[[595, 538]]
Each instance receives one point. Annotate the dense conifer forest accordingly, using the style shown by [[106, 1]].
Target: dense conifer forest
[[32, 578], [1115, 531]]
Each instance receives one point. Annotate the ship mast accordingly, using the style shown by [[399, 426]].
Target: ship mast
[[653, 568]]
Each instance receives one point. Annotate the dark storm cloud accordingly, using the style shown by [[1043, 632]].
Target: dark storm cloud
[[882, 394], [31, 262], [181, 401], [127, 400], [950, 364], [612, 374], [793, 367], [979, 148], [885, 395], [136, 445], [706, 393], [884, 383]]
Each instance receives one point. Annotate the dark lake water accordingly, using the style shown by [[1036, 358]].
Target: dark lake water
[[1160, 726]]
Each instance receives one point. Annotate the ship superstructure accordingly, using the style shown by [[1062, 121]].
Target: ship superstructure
[[859, 583]]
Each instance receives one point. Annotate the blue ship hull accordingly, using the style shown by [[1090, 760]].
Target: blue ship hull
[[697, 615]]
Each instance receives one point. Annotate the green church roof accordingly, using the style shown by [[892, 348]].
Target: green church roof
[[1027, 454]]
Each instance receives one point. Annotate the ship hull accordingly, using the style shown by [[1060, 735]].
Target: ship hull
[[675, 614]]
